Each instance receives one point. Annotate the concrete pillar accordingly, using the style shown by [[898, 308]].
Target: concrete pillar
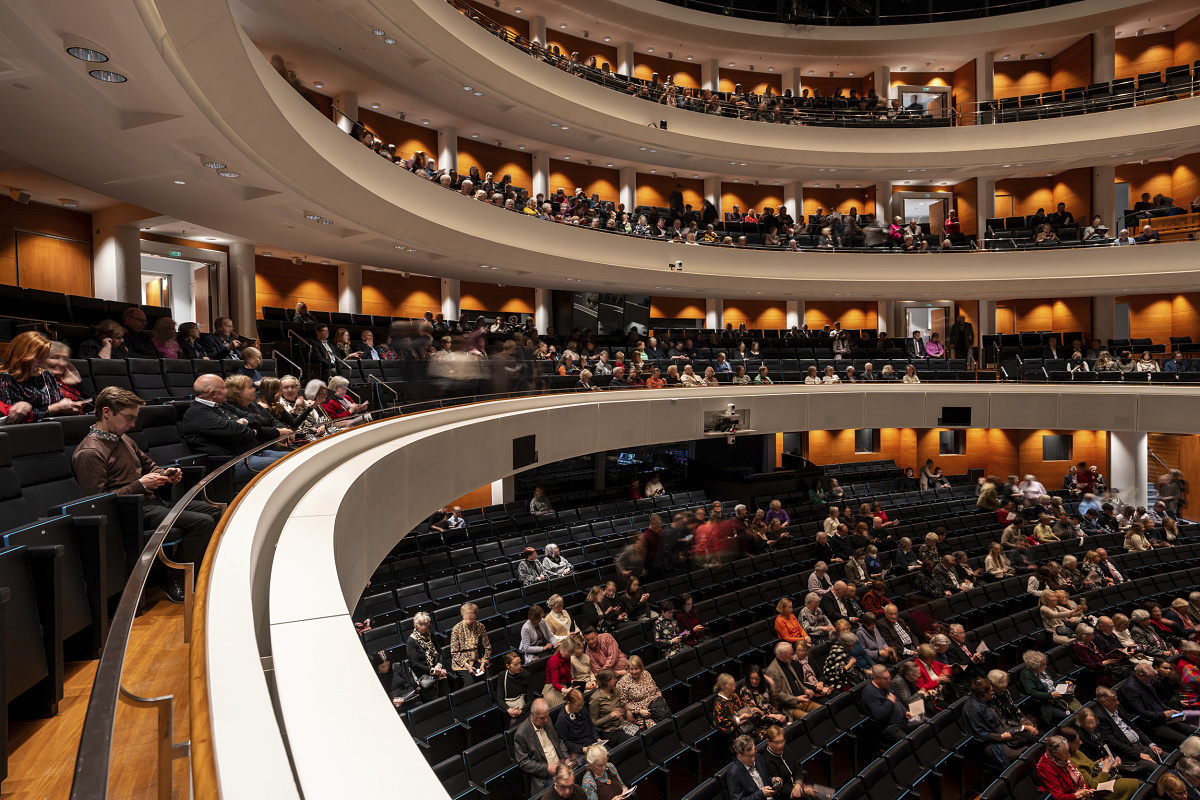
[[985, 205], [883, 203], [1104, 60], [348, 103], [350, 288], [629, 188], [1128, 473], [712, 193], [1104, 198], [543, 310], [792, 80], [714, 313], [795, 313], [1104, 318], [241, 288], [986, 324], [599, 460], [768, 450], [451, 298], [541, 173], [883, 82], [448, 148], [504, 490], [117, 273], [985, 77], [710, 74], [537, 30], [793, 198], [625, 59], [884, 311]]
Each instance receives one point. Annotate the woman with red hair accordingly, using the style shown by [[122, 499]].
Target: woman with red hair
[[27, 391]]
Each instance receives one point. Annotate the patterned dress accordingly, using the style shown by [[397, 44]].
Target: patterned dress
[[664, 631], [469, 642]]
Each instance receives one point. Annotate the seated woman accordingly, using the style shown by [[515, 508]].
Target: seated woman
[[515, 691], [905, 558], [1024, 727], [787, 627], [841, 668], [758, 694], [858, 651], [667, 634], [164, 338], [553, 564], [812, 378], [910, 374], [813, 620], [984, 725], [109, 342], [302, 414], [243, 402], [251, 361], [424, 661], [1147, 636], [574, 725], [830, 376], [634, 602], [27, 391], [558, 621], [1036, 681], [394, 678], [70, 383], [934, 347], [1068, 774], [1108, 670], [1145, 363], [189, 342], [689, 621], [470, 647], [934, 676], [1055, 616], [341, 409], [300, 314], [641, 696]]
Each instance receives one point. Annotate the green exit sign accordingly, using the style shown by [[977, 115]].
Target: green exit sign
[[174, 254]]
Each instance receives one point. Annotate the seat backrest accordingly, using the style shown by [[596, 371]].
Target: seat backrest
[[14, 508], [145, 375], [24, 651], [110, 372], [41, 465]]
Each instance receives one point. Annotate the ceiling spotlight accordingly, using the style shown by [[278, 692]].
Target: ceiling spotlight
[[653, 171], [553, 124], [410, 249], [399, 247], [378, 32], [325, 262], [568, 158], [563, 25], [810, 72], [566, 127], [389, 40], [649, 49], [318, 84], [610, 165], [466, 88], [474, 135], [1164, 27], [424, 122], [520, 147], [1140, 31], [90, 54], [608, 38], [770, 69], [851, 74], [68, 203], [652, 150], [904, 69], [324, 222], [312, 216], [107, 75], [731, 63], [689, 58], [374, 105], [230, 174], [478, 94], [517, 9], [181, 183], [1005, 57], [210, 238], [940, 69], [1041, 55]]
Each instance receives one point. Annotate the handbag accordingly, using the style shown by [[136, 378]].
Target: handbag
[[426, 681]]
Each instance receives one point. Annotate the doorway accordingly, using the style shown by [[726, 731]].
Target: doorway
[[931, 100], [935, 316]]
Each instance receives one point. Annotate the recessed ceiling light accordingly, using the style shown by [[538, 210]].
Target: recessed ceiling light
[[374, 105], [390, 40], [695, 176], [553, 124], [744, 164], [181, 183], [1005, 57], [731, 163], [568, 158], [563, 25], [608, 38], [378, 32], [735, 180], [1164, 27], [410, 249], [810, 72], [213, 164], [518, 10], [566, 127], [67, 203], [851, 74], [230, 174], [520, 147], [817, 185], [474, 135], [770, 69], [312, 216], [268, 254], [478, 94], [649, 49], [731, 63], [88, 54], [1041, 55], [466, 88], [652, 150], [689, 58], [1006, 166], [610, 165], [107, 75], [324, 222], [424, 122], [209, 239], [399, 247], [325, 262], [653, 171], [318, 84]]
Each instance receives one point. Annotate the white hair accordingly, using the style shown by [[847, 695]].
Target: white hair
[[338, 381], [595, 753], [314, 388]]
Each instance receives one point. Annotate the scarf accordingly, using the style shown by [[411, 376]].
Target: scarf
[[425, 642]]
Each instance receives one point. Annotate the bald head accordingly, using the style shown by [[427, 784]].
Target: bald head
[[210, 387]]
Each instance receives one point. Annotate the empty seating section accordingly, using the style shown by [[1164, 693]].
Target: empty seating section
[[466, 739]]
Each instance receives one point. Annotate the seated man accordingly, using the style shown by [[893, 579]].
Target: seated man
[[1177, 364], [1061, 218], [538, 749], [603, 653], [1147, 235], [107, 460], [883, 708], [223, 343], [137, 341], [1140, 698], [210, 428], [366, 346], [748, 778]]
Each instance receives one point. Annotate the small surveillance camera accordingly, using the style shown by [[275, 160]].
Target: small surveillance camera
[[730, 439], [679, 266], [670, 266]]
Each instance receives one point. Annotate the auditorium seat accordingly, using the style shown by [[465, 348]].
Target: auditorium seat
[[110, 372], [146, 379]]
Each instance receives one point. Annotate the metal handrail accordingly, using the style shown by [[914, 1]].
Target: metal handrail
[[95, 742]]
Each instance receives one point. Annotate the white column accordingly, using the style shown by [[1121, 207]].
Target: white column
[[543, 311], [710, 74], [1104, 197], [883, 203], [117, 265], [541, 173], [985, 77], [241, 288], [625, 59], [628, 189], [1127, 453], [348, 103], [350, 288], [712, 193], [1104, 58], [884, 311], [985, 204], [448, 148], [883, 82], [714, 313], [537, 30], [792, 80], [986, 324], [1104, 318], [795, 313], [504, 490], [451, 294], [793, 198]]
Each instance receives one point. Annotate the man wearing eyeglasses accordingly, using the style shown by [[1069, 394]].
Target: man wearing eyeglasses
[[107, 460], [137, 341]]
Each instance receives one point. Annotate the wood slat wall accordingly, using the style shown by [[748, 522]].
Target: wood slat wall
[[407, 137], [964, 201], [54, 265], [653, 190], [1044, 314], [390, 294], [490, 297], [570, 175], [841, 199], [686, 74], [677, 308], [499, 160], [754, 82], [1153, 52], [1015, 78], [964, 91], [747, 196], [1073, 65], [1187, 42], [853, 314], [756, 313]]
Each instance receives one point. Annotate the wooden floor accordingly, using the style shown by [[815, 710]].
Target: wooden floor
[[42, 752]]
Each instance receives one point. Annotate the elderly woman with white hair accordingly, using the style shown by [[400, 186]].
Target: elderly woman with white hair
[[553, 563], [600, 779], [316, 423], [1036, 681], [424, 659], [1147, 637], [813, 619], [341, 409], [558, 620]]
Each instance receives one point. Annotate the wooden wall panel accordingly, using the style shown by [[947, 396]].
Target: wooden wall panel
[[686, 73], [1089, 446], [8, 255], [1185, 315], [1189, 461], [753, 82], [964, 201], [923, 79], [1027, 195], [1072, 66], [842, 199], [570, 176], [1061, 315], [1163, 315], [853, 314], [50, 220], [1002, 453], [54, 265], [963, 91], [492, 298], [1015, 78], [1185, 177], [279, 282], [390, 294], [1074, 187], [1187, 42], [1153, 178], [480, 498], [1153, 52], [586, 48], [756, 313], [928, 445], [827, 86], [970, 310], [148, 236], [837, 447], [653, 190], [498, 160], [513, 24], [407, 137], [677, 308], [747, 196]]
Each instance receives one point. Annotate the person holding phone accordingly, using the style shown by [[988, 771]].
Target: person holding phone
[[107, 460]]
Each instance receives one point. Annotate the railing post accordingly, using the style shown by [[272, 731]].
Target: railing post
[[168, 749]]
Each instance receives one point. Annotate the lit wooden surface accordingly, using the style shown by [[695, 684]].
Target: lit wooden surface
[[42, 759]]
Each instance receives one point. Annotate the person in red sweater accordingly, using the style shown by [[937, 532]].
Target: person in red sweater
[[341, 409], [558, 673]]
